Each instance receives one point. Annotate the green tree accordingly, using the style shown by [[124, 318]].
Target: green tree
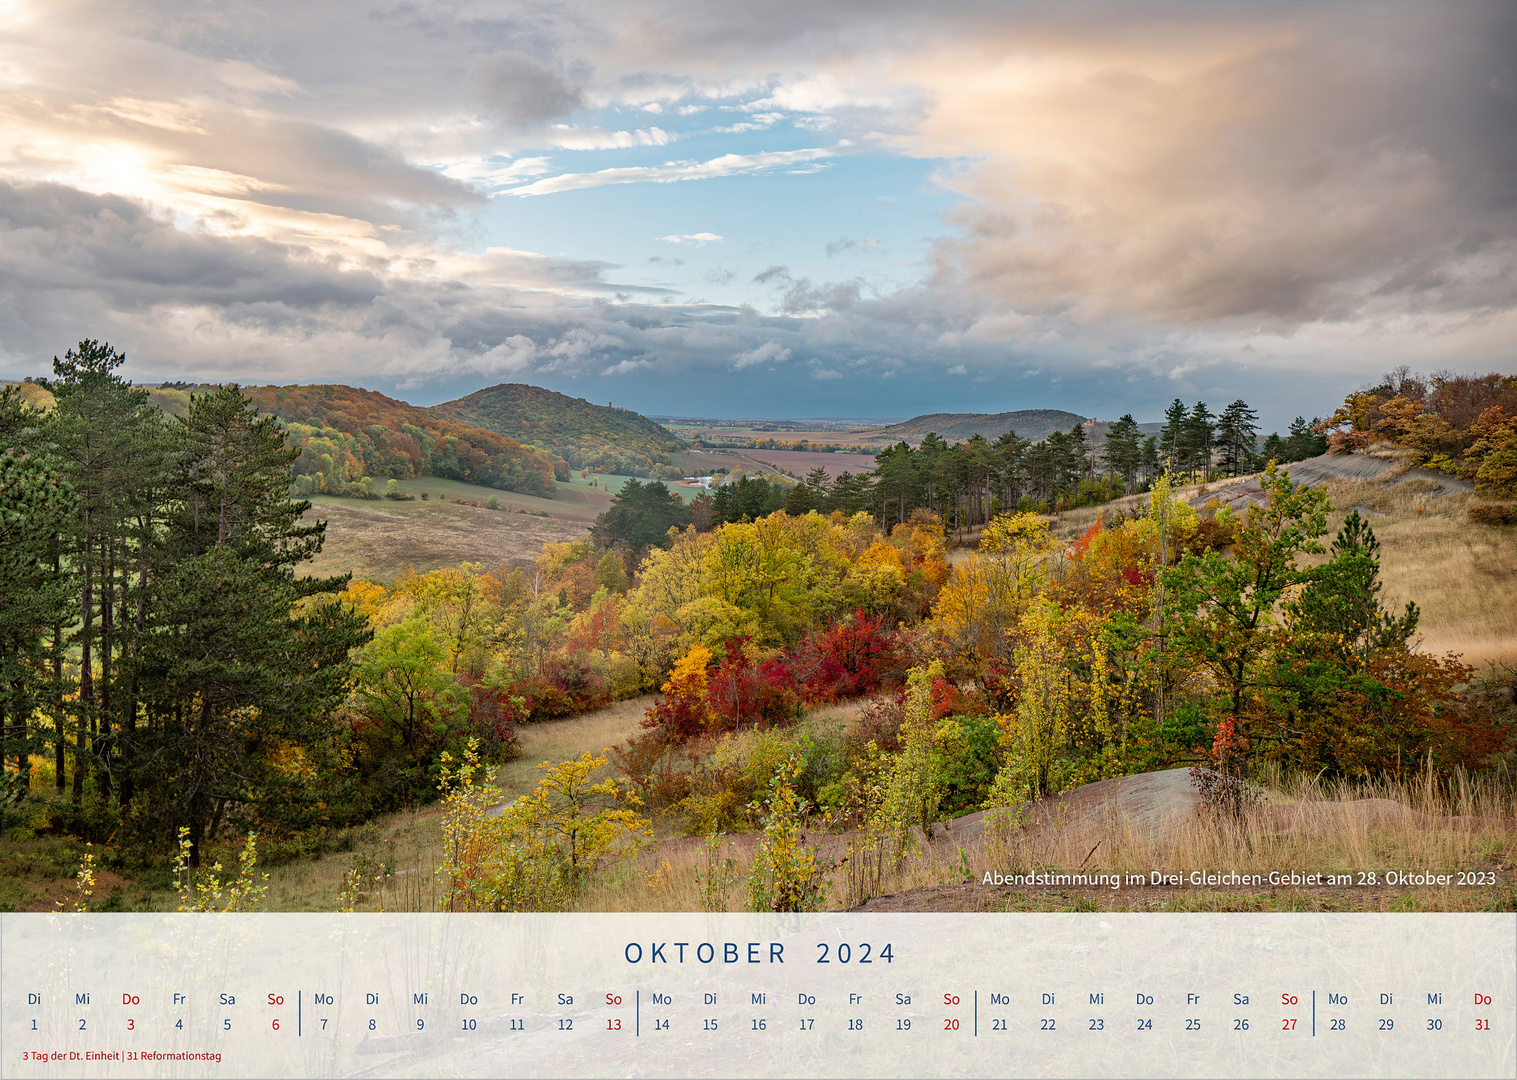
[[641, 515], [1198, 437], [110, 443], [1122, 452], [243, 663], [36, 506], [1223, 608], [1172, 436], [1340, 599], [405, 683], [1237, 430]]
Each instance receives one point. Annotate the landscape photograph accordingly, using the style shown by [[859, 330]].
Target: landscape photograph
[[713, 458]]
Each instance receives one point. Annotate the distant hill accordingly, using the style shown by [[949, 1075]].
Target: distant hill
[[346, 434], [1033, 424], [598, 437]]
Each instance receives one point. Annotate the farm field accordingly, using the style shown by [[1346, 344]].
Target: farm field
[[615, 483], [570, 502], [379, 539], [801, 462]]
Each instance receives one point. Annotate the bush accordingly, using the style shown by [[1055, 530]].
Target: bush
[[969, 749], [849, 659], [743, 694], [566, 686], [1493, 514]]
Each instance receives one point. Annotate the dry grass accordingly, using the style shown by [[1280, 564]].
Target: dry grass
[[409, 844], [561, 740], [1301, 826], [1463, 575], [379, 539]]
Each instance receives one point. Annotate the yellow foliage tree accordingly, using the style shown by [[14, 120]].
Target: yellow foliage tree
[[986, 594]]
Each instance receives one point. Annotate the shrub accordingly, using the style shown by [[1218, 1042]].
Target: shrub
[[1493, 514], [565, 686], [742, 694], [786, 875], [848, 659]]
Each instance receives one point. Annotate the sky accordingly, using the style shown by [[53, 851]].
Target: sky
[[861, 208]]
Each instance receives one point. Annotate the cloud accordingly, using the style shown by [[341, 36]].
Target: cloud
[[1127, 195], [593, 138], [519, 89], [768, 352], [845, 244], [700, 239], [674, 171], [1326, 165]]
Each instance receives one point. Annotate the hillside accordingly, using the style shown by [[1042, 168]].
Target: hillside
[[346, 434], [601, 438], [1034, 424]]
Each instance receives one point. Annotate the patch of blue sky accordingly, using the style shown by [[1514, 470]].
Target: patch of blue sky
[[858, 213]]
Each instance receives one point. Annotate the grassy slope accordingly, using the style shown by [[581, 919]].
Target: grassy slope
[[379, 539]]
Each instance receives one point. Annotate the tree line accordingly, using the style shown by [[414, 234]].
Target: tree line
[[969, 483]]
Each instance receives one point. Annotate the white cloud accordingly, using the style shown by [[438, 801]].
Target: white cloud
[[674, 171], [570, 137], [700, 239], [768, 352], [494, 173], [958, 369], [627, 367]]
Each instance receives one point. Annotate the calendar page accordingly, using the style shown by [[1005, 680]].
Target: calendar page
[[832, 995]]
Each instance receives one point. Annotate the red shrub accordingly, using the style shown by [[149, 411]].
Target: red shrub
[[494, 713], [742, 694], [847, 660], [566, 686]]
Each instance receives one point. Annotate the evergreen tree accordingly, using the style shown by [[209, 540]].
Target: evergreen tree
[[109, 443], [641, 515], [235, 670], [1304, 441], [35, 508], [1122, 452], [1340, 599], [1150, 459], [1237, 431], [1198, 436], [1172, 436]]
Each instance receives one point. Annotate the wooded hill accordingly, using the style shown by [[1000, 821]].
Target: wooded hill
[[346, 435], [598, 437], [1034, 425]]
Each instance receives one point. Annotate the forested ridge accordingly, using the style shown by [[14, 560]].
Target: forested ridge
[[601, 438], [346, 434]]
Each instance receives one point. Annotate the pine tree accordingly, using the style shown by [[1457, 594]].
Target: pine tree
[[108, 442], [1122, 453], [1199, 432], [1172, 435], [35, 507], [235, 669], [1237, 431]]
